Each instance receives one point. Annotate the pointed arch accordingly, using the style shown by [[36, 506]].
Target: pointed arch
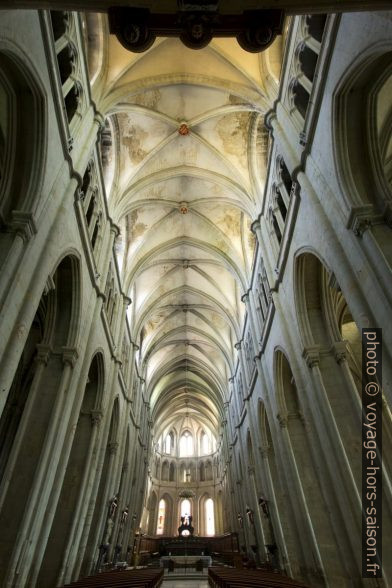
[[23, 143]]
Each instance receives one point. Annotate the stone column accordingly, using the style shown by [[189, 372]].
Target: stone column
[[129, 498], [83, 501], [301, 513], [112, 448], [241, 516], [24, 228], [252, 318], [365, 312], [265, 246], [340, 353], [66, 449], [45, 474], [244, 370], [258, 475], [258, 523], [274, 514], [37, 267], [346, 491]]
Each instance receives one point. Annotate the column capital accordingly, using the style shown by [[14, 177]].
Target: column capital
[[269, 117], [96, 417], [282, 419], [99, 119], [112, 447], [311, 356], [245, 296], [100, 293], [340, 351], [23, 224], [255, 226], [70, 356], [115, 229], [127, 300], [361, 218], [43, 353], [49, 285], [264, 451]]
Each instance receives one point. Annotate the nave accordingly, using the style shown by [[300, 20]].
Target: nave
[[193, 243]]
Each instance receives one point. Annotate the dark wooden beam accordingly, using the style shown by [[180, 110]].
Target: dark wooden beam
[[137, 28], [228, 7]]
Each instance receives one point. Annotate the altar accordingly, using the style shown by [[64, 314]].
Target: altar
[[185, 561]]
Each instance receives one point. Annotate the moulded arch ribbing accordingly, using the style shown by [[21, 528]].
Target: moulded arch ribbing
[[98, 356], [177, 311], [225, 260], [145, 314], [355, 145], [27, 97], [73, 289], [126, 91], [180, 374], [178, 379], [300, 290], [202, 402], [164, 340], [180, 369], [177, 268], [183, 170]]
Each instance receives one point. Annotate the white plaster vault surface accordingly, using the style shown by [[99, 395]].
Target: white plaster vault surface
[[185, 204]]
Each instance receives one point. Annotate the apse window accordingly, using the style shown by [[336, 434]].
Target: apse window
[[205, 444], [185, 509], [161, 517], [168, 444], [186, 444], [210, 520]]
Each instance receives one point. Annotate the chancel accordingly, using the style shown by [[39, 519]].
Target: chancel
[[195, 256]]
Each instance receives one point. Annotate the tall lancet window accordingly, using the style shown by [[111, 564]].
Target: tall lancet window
[[185, 508], [205, 444], [186, 444], [210, 519], [168, 443], [161, 517]]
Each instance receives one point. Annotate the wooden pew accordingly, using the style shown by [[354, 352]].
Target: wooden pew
[[143, 578], [234, 578]]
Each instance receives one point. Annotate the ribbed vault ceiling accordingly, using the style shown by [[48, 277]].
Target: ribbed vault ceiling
[[185, 203]]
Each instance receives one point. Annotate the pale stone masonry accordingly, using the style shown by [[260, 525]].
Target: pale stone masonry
[[191, 243]]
